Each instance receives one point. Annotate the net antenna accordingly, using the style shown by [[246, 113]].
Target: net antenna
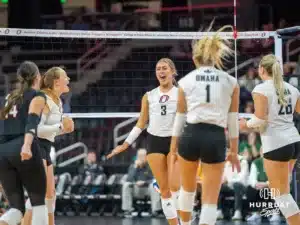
[[235, 39]]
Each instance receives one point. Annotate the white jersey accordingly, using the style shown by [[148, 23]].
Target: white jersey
[[280, 130], [162, 111], [53, 117], [208, 92]]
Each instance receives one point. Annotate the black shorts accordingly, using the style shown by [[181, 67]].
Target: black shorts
[[206, 142], [45, 148], [285, 153], [16, 174], [156, 144]]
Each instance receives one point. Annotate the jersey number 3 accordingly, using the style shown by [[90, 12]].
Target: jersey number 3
[[163, 110]]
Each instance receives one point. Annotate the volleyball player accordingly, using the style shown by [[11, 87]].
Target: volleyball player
[[159, 108], [20, 160], [54, 83], [275, 101], [208, 102]]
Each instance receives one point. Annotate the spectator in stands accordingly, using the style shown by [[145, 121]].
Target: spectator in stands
[[91, 168], [79, 24], [139, 185], [197, 204], [247, 83], [258, 182], [249, 107], [250, 147], [234, 183]]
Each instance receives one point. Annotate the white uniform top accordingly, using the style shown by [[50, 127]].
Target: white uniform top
[[208, 93], [280, 129], [53, 117], [162, 111]]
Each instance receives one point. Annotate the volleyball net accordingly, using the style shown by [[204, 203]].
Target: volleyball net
[[111, 70]]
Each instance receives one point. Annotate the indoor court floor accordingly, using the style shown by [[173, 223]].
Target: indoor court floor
[[136, 221]]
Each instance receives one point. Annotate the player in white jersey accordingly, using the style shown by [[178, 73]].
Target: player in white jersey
[[208, 102], [159, 108], [54, 83], [275, 101]]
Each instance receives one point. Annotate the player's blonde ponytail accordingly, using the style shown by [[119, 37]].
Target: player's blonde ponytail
[[278, 82], [211, 51], [272, 66]]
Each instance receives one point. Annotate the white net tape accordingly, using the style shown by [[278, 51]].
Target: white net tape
[[122, 115], [129, 34]]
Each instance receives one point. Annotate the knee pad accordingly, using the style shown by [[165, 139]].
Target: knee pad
[[50, 204], [186, 200], [287, 205], [12, 217], [28, 205], [175, 196], [169, 208], [208, 214], [39, 215]]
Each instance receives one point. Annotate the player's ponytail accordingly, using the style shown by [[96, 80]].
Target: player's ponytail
[[26, 75], [272, 67], [278, 83]]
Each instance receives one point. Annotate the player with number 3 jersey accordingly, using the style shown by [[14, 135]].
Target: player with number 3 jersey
[[159, 108]]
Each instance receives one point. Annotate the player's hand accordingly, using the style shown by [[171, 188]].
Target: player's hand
[[26, 153], [68, 125], [243, 124], [116, 151], [173, 157], [233, 158]]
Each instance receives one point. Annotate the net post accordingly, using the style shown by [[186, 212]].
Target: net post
[[278, 49]]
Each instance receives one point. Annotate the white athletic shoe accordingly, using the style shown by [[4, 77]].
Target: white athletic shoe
[[254, 217], [220, 215], [275, 218], [237, 215]]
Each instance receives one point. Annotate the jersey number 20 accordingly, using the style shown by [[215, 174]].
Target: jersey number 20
[[285, 110]]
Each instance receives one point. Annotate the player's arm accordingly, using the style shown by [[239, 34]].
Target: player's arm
[[44, 129], [233, 120], [179, 121], [141, 124], [36, 107], [259, 119], [297, 107]]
